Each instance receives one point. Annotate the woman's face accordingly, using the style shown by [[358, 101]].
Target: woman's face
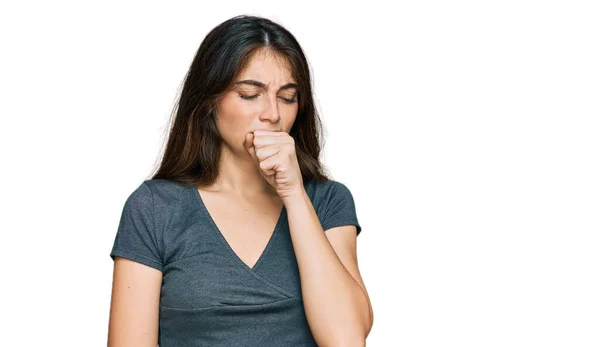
[[263, 97]]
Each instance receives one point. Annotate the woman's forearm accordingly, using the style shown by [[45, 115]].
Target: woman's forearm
[[336, 307]]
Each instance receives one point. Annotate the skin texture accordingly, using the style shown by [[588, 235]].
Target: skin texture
[[259, 174], [134, 305]]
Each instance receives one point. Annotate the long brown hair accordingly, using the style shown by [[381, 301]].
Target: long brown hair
[[193, 146]]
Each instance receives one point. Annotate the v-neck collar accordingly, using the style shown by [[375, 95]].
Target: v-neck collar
[[215, 228]]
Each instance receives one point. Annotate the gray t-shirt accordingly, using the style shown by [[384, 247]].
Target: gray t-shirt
[[209, 296]]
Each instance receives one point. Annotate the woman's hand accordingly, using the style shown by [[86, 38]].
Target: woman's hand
[[275, 155]]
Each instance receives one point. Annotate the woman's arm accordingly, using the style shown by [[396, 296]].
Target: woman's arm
[[134, 305], [337, 307]]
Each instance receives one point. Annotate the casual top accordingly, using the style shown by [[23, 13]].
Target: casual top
[[209, 296]]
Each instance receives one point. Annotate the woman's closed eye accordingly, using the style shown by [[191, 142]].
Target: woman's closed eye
[[251, 97]]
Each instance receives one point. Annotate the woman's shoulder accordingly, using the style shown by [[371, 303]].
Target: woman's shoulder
[[159, 185], [321, 189], [322, 192], [168, 194]]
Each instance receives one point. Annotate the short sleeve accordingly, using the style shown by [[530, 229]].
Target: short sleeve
[[136, 238], [340, 208]]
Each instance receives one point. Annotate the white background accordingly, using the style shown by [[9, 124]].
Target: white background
[[467, 131]]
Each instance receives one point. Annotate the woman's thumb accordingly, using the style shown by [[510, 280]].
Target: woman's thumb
[[248, 140], [249, 145]]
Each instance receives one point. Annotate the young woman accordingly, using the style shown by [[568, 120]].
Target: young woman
[[240, 238]]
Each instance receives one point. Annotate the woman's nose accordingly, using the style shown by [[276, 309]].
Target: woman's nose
[[271, 111]]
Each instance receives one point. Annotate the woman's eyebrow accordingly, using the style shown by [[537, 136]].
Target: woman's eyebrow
[[264, 86]]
